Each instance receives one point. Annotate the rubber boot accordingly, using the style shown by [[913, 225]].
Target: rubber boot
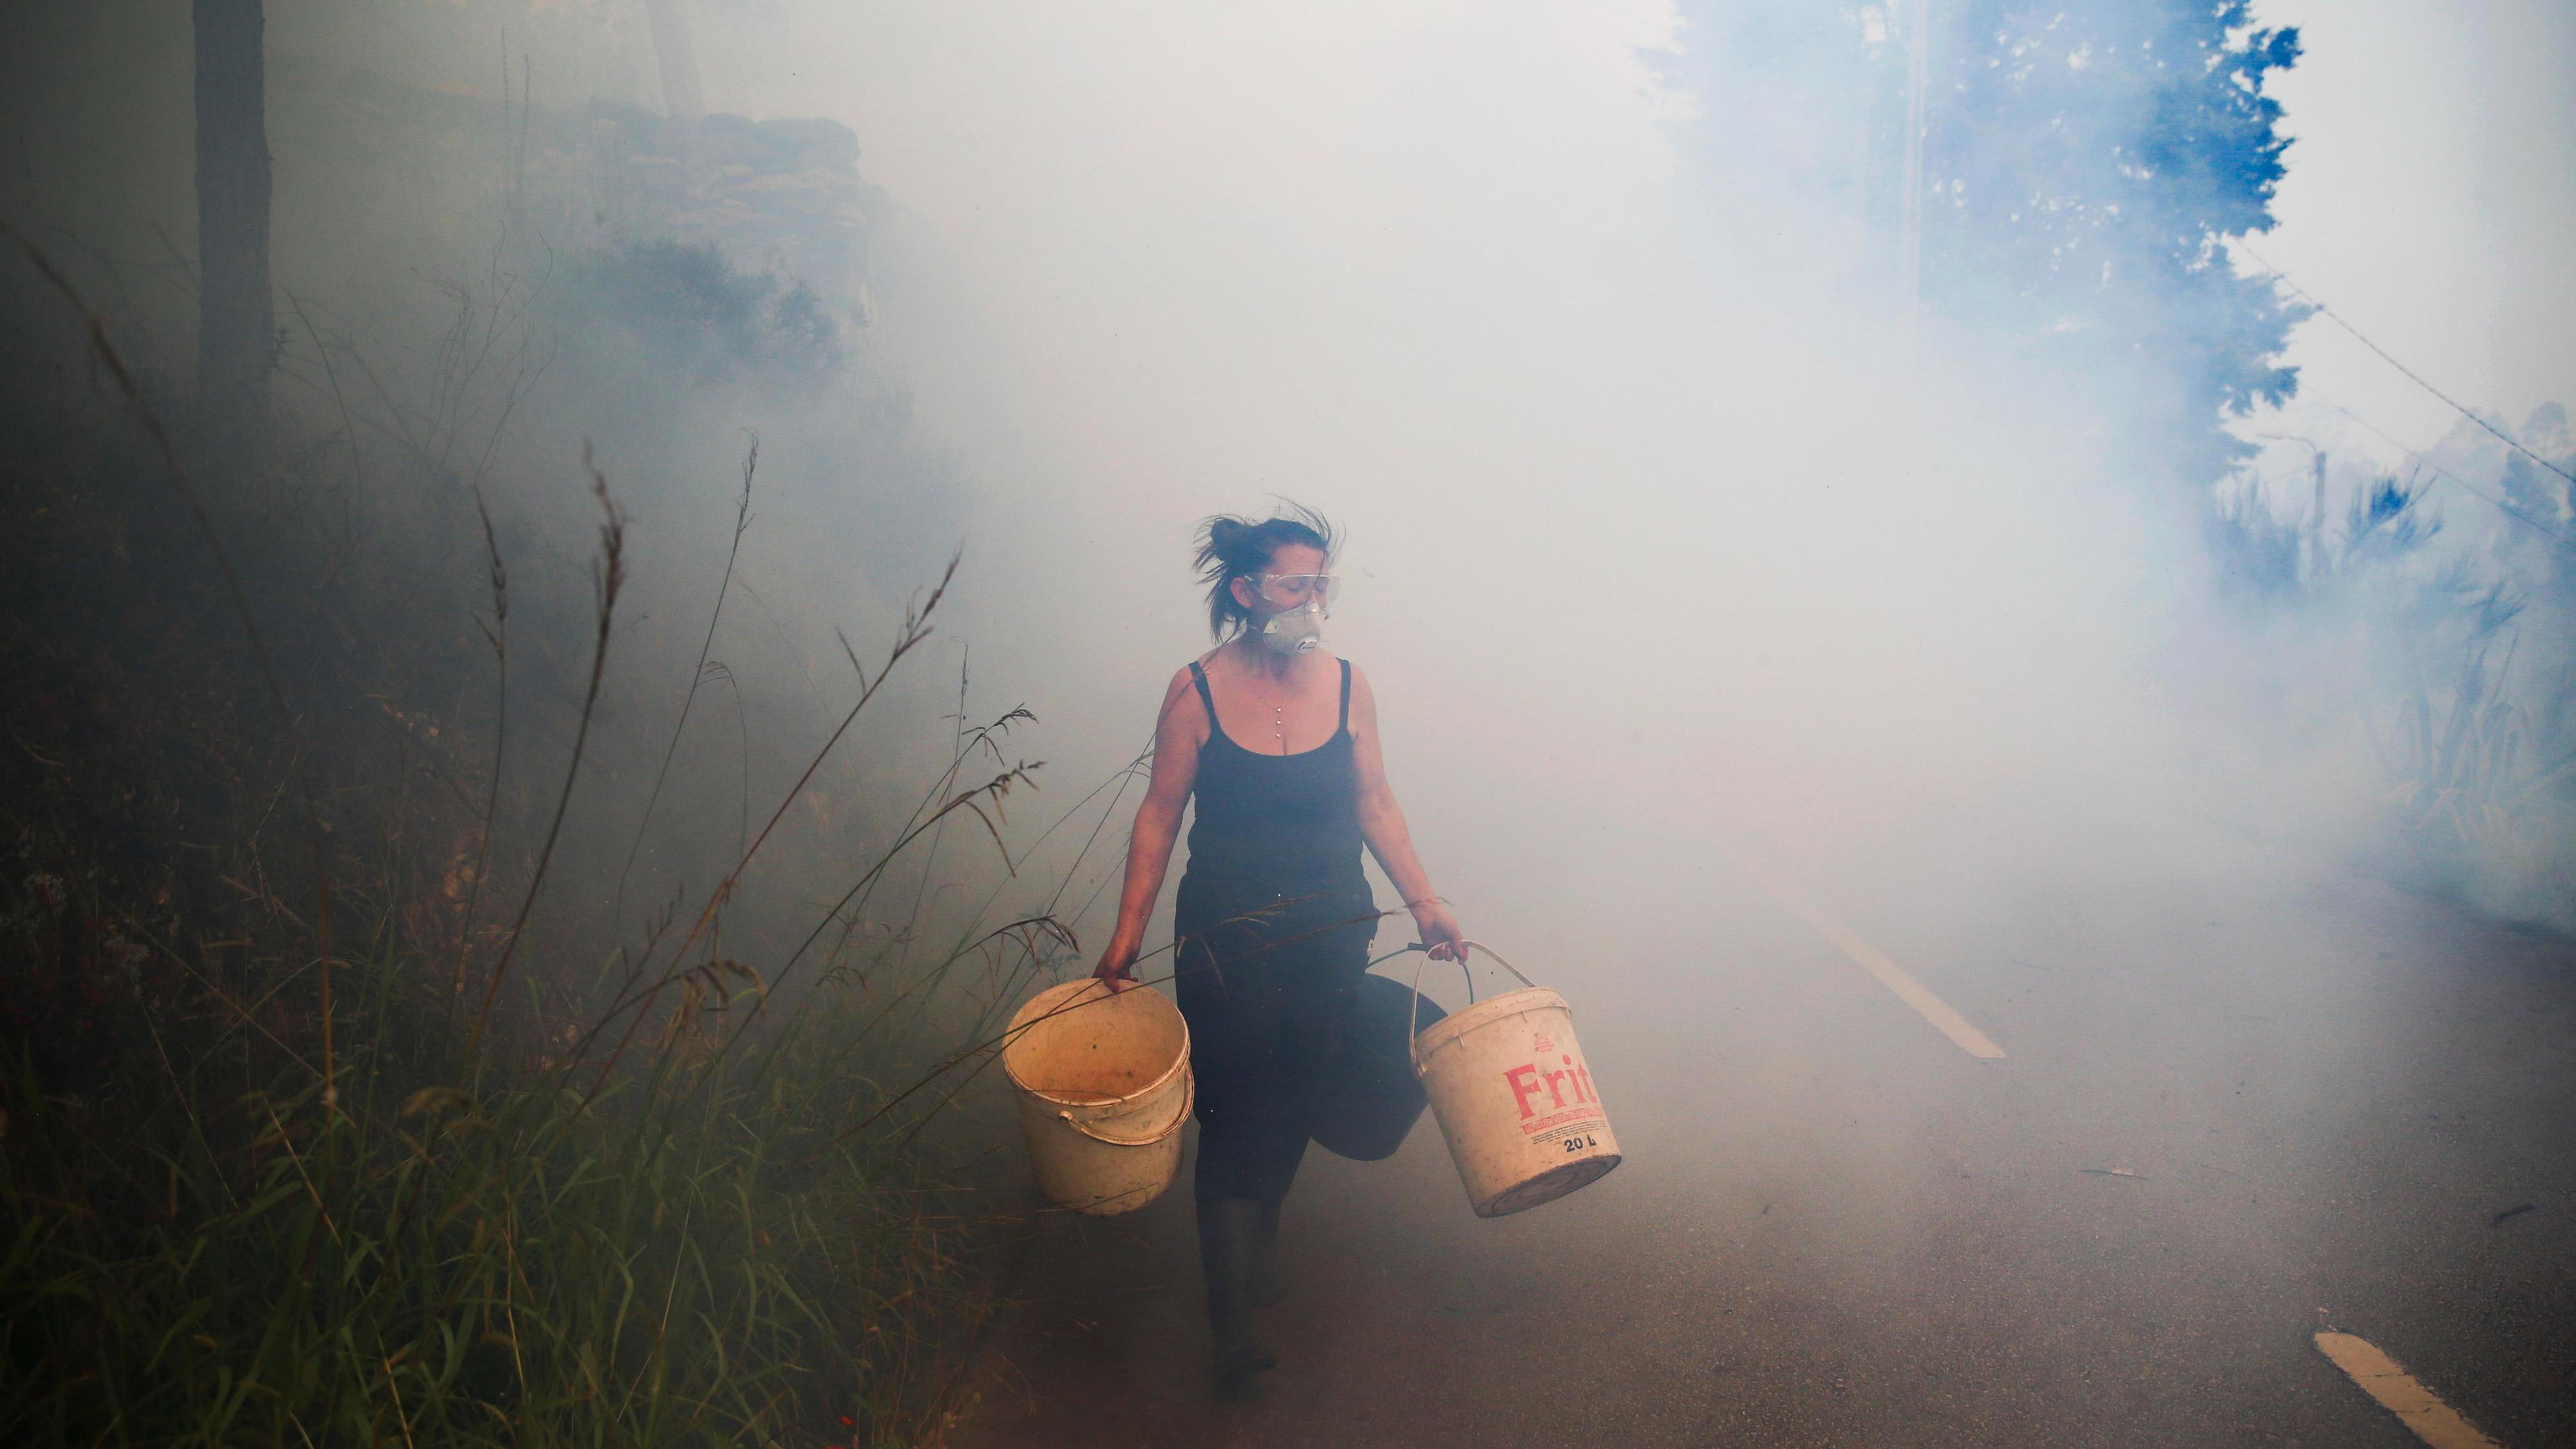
[[1229, 1236], [1268, 1289]]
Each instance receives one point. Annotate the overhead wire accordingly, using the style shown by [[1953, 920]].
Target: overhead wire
[[2510, 511], [2464, 485], [2412, 375]]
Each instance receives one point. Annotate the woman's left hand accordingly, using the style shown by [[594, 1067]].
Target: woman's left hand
[[1440, 931]]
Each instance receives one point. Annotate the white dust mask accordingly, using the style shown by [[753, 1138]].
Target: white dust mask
[[1293, 631]]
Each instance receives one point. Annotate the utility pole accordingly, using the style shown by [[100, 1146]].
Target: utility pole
[[1918, 65], [2316, 533], [682, 98], [236, 327]]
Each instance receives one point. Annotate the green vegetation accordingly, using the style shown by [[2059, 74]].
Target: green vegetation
[[335, 1110], [2449, 659]]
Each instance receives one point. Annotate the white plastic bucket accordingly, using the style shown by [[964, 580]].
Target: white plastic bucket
[[1515, 1098], [1104, 1087]]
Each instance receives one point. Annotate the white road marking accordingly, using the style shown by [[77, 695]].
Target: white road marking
[[2416, 1407], [1874, 961]]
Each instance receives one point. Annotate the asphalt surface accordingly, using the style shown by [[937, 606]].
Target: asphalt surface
[[2241, 1104]]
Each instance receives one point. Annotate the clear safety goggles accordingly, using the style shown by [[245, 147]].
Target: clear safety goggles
[[1296, 591]]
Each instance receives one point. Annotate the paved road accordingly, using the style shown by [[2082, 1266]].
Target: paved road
[[1835, 1227]]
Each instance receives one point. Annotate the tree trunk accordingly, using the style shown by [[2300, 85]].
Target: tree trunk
[[236, 333], [681, 98]]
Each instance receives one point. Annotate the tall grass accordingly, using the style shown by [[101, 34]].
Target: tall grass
[[2451, 661], [673, 1262], [483, 1189]]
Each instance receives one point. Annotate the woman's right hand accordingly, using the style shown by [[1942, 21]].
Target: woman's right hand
[[1439, 931], [1117, 964]]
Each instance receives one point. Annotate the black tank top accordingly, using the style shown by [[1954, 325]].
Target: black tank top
[[1276, 822]]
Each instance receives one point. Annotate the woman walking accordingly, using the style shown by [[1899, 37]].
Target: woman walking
[[1278, 741]]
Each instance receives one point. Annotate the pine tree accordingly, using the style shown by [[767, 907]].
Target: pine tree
[[2085, 162]]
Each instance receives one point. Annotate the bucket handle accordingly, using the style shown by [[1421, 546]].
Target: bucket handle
[[1189, 1099], [1413, 1008]]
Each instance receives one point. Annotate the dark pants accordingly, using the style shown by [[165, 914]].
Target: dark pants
[[1267, 977]]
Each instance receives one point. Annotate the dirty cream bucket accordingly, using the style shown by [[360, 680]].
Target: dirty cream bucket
[[1104, 1087], [1515, 1098]]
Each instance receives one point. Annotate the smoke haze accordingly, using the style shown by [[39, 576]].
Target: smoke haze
[[1712, 591], [1577, 319], [1646, 517], [1570, 317]]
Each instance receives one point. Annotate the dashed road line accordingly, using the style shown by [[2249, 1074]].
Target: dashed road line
[[2417, 1407], [1874, 961]]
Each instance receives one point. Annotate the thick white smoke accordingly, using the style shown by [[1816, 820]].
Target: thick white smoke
[[1657, 540]]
